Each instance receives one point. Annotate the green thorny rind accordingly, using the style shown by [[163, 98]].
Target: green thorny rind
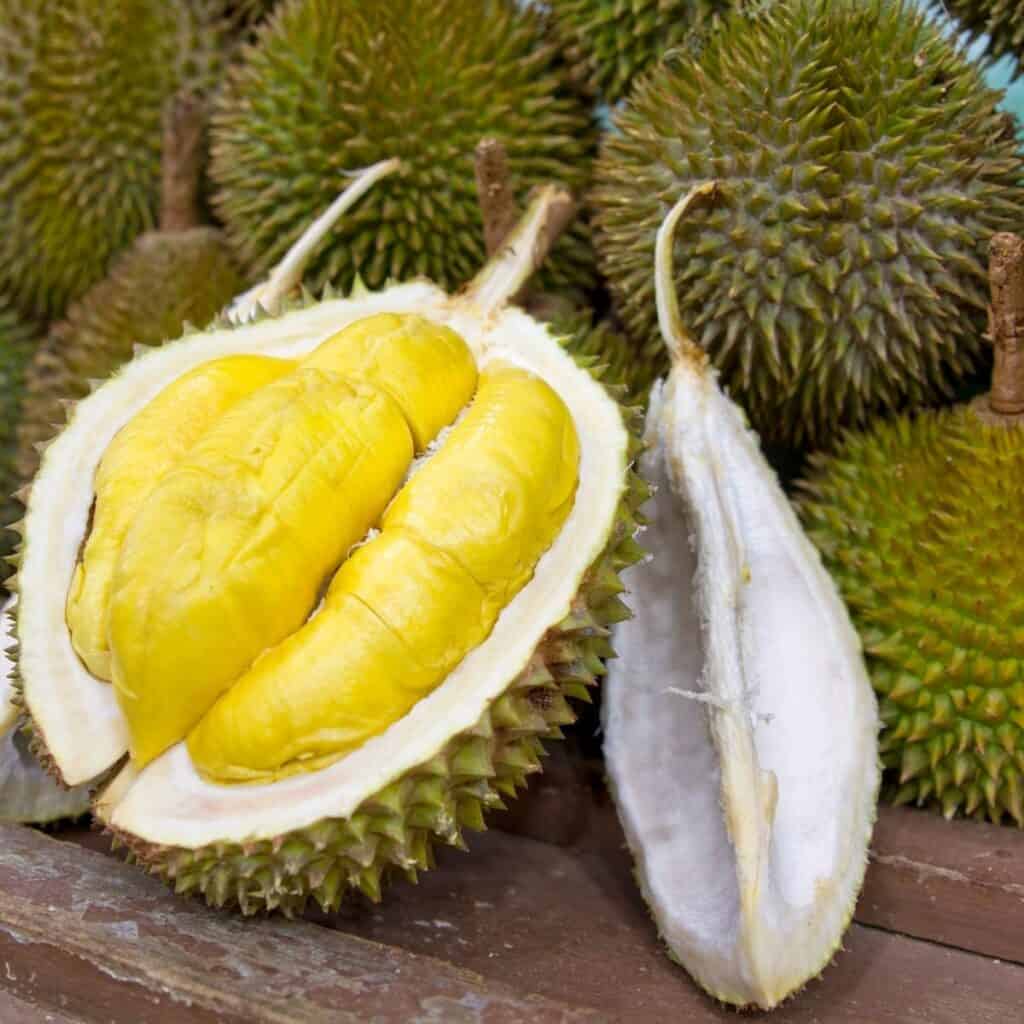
[[83, 86], [1001, 22], [395, 829], [331, 85], [609, 43], [863, 168], [18, 341], [921, 523]]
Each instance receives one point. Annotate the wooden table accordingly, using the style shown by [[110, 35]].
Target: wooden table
[[515, 930]]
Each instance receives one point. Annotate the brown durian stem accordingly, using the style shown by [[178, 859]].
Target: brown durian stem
[[1006, 321], [182, 162], [497, 200]]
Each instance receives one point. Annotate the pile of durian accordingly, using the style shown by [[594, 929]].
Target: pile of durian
[[378, 378]]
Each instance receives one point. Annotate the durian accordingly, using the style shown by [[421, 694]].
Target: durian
[[1000, 22], [613, 42], [338, 802], [18, 341], [740, 726], [863, 165], [83, 84], [331, 85], [181, 273], [919, 520]]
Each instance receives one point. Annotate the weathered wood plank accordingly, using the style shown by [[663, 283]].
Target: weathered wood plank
[[960, 883], [93, 939]]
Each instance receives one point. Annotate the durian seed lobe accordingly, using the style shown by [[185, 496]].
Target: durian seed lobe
[[236, 538], [919, 519], [864, 166], [457, 543], [333, 85]]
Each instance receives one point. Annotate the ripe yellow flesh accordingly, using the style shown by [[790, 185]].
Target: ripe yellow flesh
[[135, 461], [457, 543], [421, 365]]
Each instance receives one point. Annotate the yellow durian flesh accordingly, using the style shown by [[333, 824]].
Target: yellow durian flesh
[[423, 366], [140, 454], [457, 543]]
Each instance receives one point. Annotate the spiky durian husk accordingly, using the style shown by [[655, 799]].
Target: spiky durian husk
[[611, 42], [162, 282], [1000, 21], [82, 87], [18, 340], [394, 831], [607, 346], [921, 522], [863, 168], [332, 86]]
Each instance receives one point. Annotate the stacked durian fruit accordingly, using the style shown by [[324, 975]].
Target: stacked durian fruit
[[329, 515]]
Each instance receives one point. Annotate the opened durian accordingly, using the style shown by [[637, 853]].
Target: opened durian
[[920, 521], [343, 568], [181, 273], [27, 793], [336, 84], [18, 341], [740, 727], [612, 42], [864, 167], [83, 85]]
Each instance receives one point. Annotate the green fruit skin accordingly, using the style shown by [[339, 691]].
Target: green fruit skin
[[863, 167], [83, 84], [921, 522], [332, 86], [163, 282], [1001, 21]]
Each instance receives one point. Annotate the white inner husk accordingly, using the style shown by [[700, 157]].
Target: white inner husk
[[78, 716], [740, 724]]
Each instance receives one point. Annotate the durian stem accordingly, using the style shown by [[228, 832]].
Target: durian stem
[[1006, 319], [681, 344], [497, 200], [270, 294], [181, 162], [548, 212]]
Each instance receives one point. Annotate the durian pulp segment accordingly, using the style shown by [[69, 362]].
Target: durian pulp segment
[[138, 457], [456, 544], [227, 555]]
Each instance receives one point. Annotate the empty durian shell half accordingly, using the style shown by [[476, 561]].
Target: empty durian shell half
[[460, 749], [740, 724]]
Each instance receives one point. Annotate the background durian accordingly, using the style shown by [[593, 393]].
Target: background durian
[[863, 176]]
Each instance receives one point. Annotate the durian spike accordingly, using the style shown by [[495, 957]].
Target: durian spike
[[1006, 319], [270, 294], [682, 348], [547, 214], [181, 166]]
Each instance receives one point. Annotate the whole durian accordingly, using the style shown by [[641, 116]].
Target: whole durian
[[863, 165], [331, 86], [82, 87], [612, 42], [462, 615], [18, 341], [179, 274], [1001, 22], [920, 521]]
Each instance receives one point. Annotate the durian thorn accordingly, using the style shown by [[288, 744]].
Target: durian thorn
[[681, 344], [181, 162], [497, 200], [288, 273], [548, 212], [1006, 322]]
